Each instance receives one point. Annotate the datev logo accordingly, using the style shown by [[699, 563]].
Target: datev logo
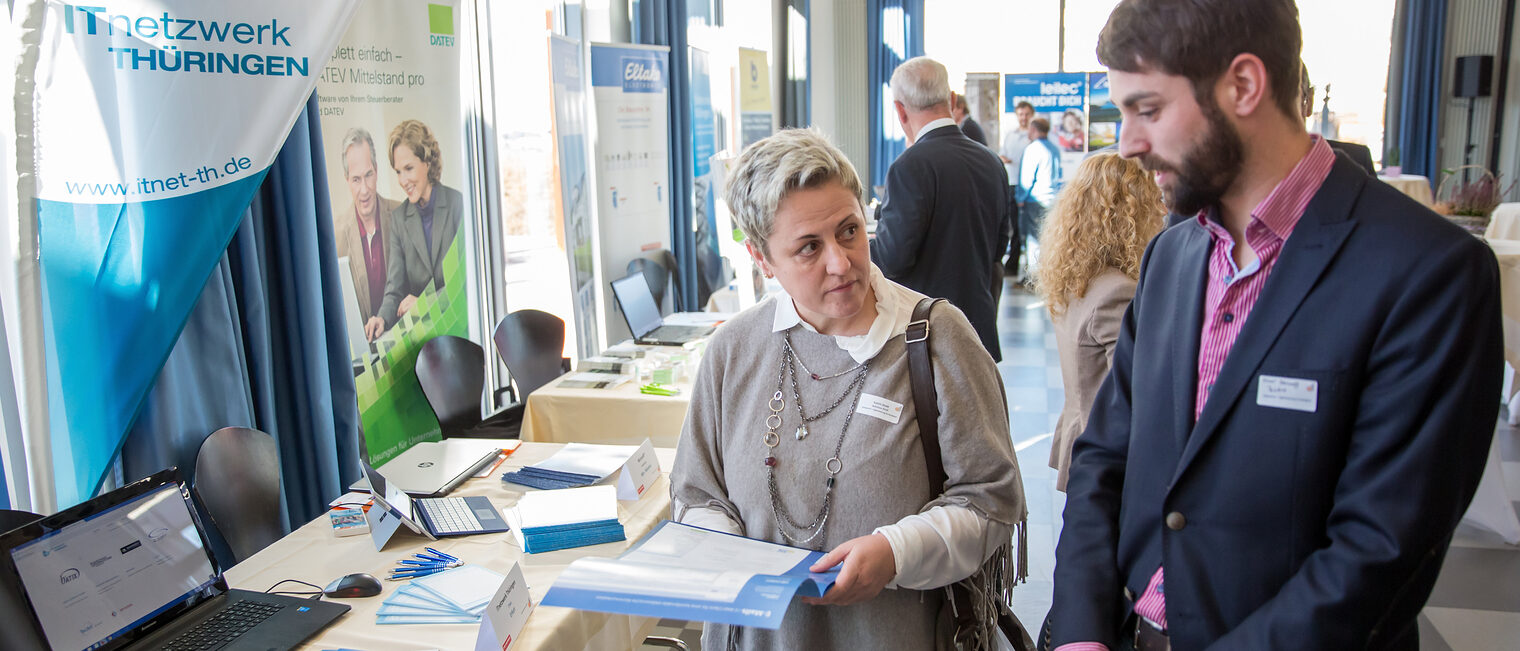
[[642, 75], [67, 576], [441, 25]]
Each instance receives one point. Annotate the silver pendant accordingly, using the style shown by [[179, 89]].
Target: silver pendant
[[802, 432]]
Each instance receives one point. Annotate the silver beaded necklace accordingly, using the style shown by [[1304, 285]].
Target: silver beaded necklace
[[833, 466]]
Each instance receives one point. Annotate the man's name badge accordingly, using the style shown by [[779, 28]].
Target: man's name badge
[[1288, 393]]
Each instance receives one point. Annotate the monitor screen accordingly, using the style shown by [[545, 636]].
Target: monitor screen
[[101, 577], [637, 303]]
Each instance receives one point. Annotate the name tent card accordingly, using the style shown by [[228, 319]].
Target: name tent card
[[506, 614], [639, 473]]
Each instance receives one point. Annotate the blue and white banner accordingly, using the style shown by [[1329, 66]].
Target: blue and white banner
[[630, 84], [570, 129], [155, 122], [1060, 98]]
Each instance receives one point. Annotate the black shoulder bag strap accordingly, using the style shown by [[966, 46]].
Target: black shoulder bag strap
[[926, 404]]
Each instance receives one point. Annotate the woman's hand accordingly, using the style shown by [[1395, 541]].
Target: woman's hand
[[868, 566]]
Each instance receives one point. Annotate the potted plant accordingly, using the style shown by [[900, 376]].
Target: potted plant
[[1391, 162], [1471, 199]]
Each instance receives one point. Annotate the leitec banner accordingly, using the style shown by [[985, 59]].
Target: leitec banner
[[754, 96], [155, 122], [630, 84], [393, 138], [1061, 98], [1102, 114], [574, 189]]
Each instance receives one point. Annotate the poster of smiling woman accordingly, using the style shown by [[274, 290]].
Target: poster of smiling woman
[[392, 130]]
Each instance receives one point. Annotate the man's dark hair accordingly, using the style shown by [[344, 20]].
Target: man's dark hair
[[1024, 104], [1041, 125], [1198, 39]]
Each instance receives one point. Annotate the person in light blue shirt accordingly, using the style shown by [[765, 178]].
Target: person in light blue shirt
[[1039, 178]]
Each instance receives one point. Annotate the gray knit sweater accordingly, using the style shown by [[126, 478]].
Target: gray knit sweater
[[884, 479]]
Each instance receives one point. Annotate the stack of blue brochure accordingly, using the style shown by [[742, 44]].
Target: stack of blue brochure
[[456, 596], [544, 521], [682, 572], [576, 464]]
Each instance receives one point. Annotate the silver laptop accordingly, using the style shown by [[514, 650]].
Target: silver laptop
[[643, 316], [433, 468]]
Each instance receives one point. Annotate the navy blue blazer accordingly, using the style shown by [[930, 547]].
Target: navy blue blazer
[[945, 225], [1280, 528]]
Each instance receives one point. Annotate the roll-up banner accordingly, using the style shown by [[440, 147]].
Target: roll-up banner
[[1102, 113], [630, 84], [155, 122], [393, 138], [574, 185], [754, 89], [704, 127], [1061, 98]]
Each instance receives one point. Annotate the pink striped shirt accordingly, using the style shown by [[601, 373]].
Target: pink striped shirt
[[1230, 295]]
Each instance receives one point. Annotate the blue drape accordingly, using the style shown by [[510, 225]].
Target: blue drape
[[261, 348], [1420, 66], [663, 22], [895, 33]]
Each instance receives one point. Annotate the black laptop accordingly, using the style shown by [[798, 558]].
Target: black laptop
[[643, 316], [131, 570]]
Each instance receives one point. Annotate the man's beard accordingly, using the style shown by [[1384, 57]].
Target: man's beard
[[1207, 171]]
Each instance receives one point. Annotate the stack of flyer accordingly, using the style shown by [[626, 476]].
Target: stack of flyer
[[456, 596], [544, 521], [576, 464]]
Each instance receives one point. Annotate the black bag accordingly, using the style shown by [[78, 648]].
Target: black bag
[[926, 402]]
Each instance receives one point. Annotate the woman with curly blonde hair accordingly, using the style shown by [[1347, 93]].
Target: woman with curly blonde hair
[[1091, 246]]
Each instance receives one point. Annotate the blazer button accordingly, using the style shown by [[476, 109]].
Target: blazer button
[[1175, 521]]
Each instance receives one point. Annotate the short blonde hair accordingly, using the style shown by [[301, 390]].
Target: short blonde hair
[[1104, 217], [769, 170]]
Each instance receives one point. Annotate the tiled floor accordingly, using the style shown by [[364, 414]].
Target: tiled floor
[[1475, 605]]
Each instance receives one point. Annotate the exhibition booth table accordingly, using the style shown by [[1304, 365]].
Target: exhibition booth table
[[1417, 187], [1504, 224], [313, 554]]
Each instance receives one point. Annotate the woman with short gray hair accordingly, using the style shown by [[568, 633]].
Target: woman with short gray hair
[[802, 428]]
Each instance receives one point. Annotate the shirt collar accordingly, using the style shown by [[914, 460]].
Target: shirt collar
[[894, 309], [1280, 211], [937, 123]]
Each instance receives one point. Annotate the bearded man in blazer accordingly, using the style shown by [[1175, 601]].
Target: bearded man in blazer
[[1302, 393], [948, 213]]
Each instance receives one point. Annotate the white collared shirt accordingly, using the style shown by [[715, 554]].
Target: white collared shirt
[[935, 124], [894, 309]]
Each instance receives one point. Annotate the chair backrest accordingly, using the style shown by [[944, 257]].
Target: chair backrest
[[655, 274], [15, 616], [237, 479], [531, 343], [452, 371]]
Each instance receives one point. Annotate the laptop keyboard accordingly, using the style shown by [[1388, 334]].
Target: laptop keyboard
[[450, 515], [224, 627]]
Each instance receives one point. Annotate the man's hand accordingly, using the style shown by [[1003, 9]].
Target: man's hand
[[868, 566], [406, 305], [373, 328]]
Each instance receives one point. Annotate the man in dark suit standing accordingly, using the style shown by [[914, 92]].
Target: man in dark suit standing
[[968, 125], [948, 212], [1302, 394]]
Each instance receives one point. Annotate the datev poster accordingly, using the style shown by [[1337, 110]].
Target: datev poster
[[153, 123], [630, 84], [1061, 98], [393, 139]]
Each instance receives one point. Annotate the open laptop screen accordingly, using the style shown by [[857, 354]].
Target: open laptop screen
[[100, 577], [638, 304]]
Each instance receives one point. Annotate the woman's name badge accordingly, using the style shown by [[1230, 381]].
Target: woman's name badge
[[880, 408]]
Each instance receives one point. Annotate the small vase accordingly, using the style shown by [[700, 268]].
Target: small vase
[[1392, 170]]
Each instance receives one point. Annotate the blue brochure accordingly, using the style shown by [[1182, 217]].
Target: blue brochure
[[683, 572]]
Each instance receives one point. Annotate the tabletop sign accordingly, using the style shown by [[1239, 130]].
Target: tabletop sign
[[505, 615], [639, 473]]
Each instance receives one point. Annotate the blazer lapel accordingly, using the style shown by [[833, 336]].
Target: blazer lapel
[[411, 220], [1194, 259], [1309, 250], [441, 216]]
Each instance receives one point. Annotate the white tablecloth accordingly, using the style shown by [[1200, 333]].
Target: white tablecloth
[[620, 415], [1417, 187], [313, 554], [1505, 224]]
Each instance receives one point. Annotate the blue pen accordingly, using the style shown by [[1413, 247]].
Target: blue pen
[[429, 558], [435, 552], [412, 574], [427, 563]]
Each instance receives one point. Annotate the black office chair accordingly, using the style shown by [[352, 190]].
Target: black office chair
[[237, 480], [531, 343], [451, 371], [654, 274], [15, 618]]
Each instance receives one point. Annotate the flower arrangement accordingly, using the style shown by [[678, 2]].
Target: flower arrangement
[[1471, 201]]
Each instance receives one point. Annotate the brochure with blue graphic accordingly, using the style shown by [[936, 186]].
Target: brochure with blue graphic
[[683, 572]]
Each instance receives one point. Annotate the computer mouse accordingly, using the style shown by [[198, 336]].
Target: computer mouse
[[353, 586]]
